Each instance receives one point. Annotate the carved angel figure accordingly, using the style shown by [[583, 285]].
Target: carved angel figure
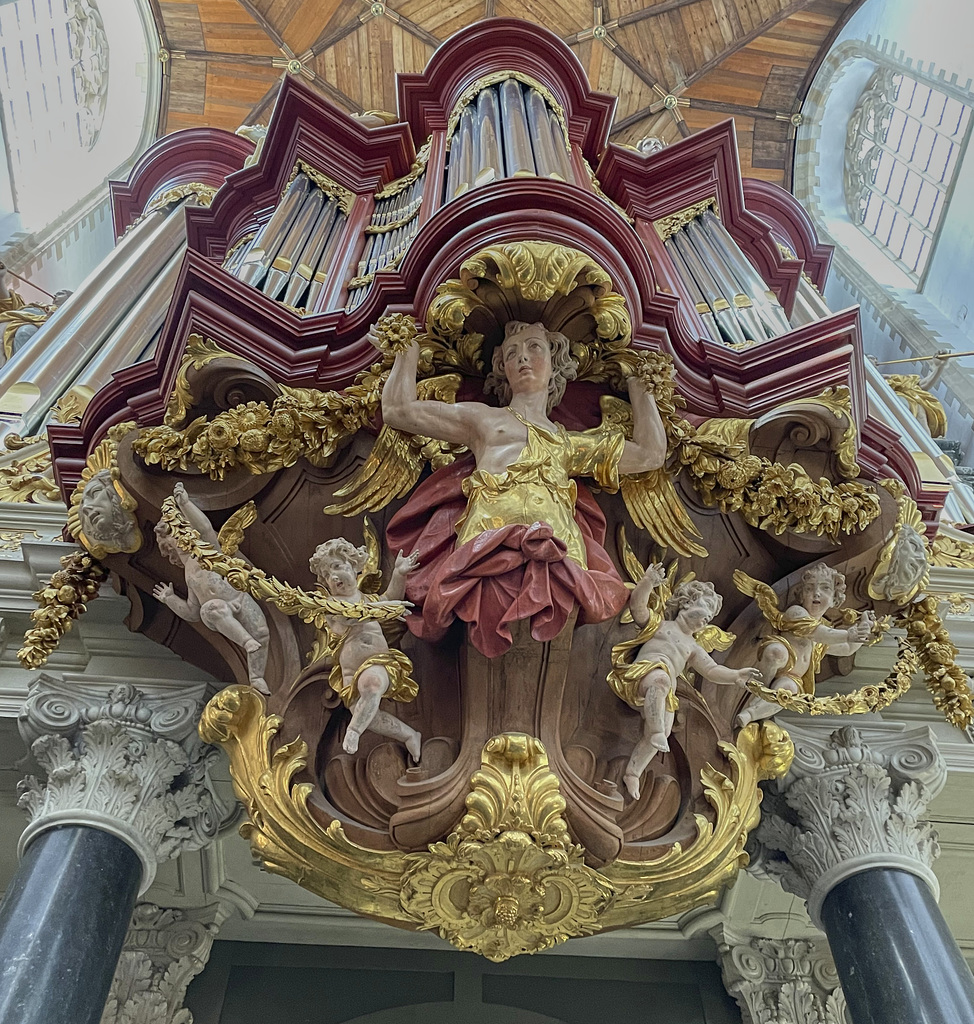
[[365, 669], [509, 534], [209, 598], [790, 655], [675, 638]]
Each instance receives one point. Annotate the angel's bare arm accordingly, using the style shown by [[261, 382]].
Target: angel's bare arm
[[194, 516], [639, 599], [404, 410], [647, 449], [705, 666]]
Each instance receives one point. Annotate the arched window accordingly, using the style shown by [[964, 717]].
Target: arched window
[[904, 143]]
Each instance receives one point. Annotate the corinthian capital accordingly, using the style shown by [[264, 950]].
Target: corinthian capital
[[122, 759], [853, 800], [777, 980]]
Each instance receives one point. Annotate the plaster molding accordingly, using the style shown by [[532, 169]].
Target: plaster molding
[[124, 760], [164, 950], [781, 981], [851, 802]]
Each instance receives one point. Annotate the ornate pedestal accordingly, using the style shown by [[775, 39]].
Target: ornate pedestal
[[842, 830]]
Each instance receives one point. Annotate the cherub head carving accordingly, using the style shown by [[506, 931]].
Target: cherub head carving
[[563, 367], [696, 597], [337, 564], [819, 588], [102, 515]]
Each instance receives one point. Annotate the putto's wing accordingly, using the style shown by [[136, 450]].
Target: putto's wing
[[232, 531], [370, 580], [767, 602], [654, 505], [651, 498], [397, 459], [712, 638], [633, 566]]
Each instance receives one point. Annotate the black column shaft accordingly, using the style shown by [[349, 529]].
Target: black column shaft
[[62, 925], [897, 961]]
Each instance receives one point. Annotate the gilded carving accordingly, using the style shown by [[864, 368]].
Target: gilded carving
[[667, 227], [101, 515], [508, 879]]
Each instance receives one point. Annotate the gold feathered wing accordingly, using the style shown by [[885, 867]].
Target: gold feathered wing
[[651, 498], [397, 458], [767, 602], [232, 531]]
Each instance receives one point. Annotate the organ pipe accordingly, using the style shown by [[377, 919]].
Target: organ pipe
[[294, 242], [270, 236], [518, 157], [544, 154]]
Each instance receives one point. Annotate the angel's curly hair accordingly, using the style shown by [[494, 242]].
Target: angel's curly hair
[[820, 572], [686, 593], [338, 547], [563, 367]]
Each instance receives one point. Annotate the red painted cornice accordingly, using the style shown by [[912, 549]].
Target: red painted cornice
[[506, 44], [699, 167], [791, 223], [205, 155], [304, 126]]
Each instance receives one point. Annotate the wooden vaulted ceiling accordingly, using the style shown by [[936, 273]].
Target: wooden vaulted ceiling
[[677, 65]]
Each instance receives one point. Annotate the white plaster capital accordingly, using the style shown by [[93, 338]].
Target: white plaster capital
[[852, 801], [122, 759]]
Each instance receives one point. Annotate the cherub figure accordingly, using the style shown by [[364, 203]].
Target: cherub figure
[[790, 655], [675, 637], [209, 598], [365, 668]]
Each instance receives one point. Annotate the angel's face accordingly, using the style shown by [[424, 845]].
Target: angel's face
[[339, 578], [819, 596], [696, 615], [526, 358]]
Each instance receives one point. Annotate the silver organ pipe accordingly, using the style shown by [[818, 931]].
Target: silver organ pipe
[[309, 261], [765, 300], [689, 265], [35, 377], [270, 236], [509, 129], [544, 151], [395, 216], [560, 146], [287, 255], [809, 305], [727, 282], [490, 161], [518, 155], [723, 281]]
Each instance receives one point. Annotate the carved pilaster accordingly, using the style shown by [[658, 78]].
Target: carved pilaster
[[781, 981], [852, 801], [122, 759], [164, 950]]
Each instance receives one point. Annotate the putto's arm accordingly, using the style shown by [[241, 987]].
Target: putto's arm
[[647, 449], [404, 410]]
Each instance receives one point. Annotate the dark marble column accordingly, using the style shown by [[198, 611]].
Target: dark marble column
[[62, 924], [896, 959], [844, 830]]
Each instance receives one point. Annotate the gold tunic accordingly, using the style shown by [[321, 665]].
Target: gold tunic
[[402, 686], [538, 487]]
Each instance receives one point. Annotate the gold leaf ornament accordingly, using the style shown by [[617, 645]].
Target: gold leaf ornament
[[508, 880]]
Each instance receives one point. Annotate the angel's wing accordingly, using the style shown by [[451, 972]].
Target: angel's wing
[[397, 458], [712, 638], [232, 531], [370, 579], [633, 566], [651, 498], [767, 602]]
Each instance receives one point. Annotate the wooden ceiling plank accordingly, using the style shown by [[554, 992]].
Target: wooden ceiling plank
[[739, 44], [328, 39], [260, 112], [184, 26], [623, 55]]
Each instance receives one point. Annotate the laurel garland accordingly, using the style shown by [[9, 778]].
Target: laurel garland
[[945, 679], [62, 601]]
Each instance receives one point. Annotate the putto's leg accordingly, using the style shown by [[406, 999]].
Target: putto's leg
[[372, 685], [388, 725], [657, 722]]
